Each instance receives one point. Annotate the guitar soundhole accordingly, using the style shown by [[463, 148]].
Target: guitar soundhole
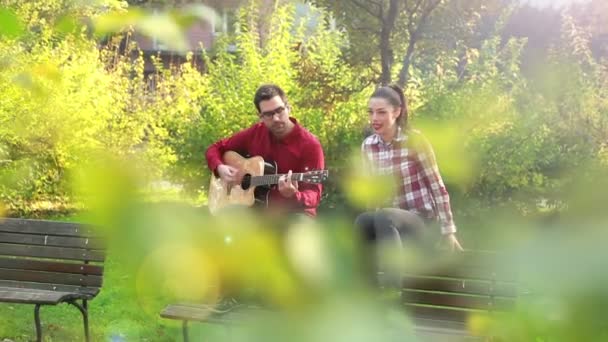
[[246, 182]]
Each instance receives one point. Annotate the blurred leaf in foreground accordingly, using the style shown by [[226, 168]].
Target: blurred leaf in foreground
[[10, 25], [168, 27]]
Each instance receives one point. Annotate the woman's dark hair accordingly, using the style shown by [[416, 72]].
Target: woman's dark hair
[[394, 95]]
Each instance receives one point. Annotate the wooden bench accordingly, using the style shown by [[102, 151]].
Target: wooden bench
[[47, 263], [189, 312], [440, 298]]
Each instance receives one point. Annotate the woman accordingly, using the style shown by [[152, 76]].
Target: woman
[[396, 150]]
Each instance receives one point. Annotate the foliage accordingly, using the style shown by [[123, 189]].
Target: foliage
[[324, 92], [526, 139], [63, 102], [410, 33], [81, 125]]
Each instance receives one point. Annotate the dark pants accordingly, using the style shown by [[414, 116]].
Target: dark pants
[[384, 233]]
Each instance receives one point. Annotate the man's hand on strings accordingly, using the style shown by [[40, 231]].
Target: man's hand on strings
[[287, 187]]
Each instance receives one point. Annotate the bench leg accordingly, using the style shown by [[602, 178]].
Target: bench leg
[[37, 322], [185, 331], [85, 318]]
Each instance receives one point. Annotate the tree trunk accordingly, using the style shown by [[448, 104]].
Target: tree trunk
[[414, 30], [404, 73], [386, 57], [386, 51]]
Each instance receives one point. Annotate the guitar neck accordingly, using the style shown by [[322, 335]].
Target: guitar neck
[[274, 179]]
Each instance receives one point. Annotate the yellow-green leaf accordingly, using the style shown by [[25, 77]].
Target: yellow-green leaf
[[10, 25]]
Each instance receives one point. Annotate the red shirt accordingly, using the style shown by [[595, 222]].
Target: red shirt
[[299, 151]]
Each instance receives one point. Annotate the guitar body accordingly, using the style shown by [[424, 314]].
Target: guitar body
[[254, 179], [261, 192], [223, 194]]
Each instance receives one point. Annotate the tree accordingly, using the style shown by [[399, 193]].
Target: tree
[[375, 20], [593, 16], [417, 17], [397, 28], [456, 32]]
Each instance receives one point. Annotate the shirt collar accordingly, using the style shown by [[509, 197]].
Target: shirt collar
[[293, 135], [376, 139]]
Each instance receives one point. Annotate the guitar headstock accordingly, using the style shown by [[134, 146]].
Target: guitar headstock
[[317, 176]]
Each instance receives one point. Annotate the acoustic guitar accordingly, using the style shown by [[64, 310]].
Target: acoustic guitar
[[254, 179]]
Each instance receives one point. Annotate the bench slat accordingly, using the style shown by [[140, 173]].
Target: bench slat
[[50, 266], [466, 272], [50, 252], [50, 277], [13, 225], [10, 295], [456, 300], [202, 313], [437, 313], [467, 286], [428, 324], [51, 240], [238, 316], [89, 292], [189, 312], [481, 265], [467, 259]]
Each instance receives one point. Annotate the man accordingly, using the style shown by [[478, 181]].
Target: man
[[280, 138]]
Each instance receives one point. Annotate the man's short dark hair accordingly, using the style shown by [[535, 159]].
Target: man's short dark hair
[[266, 92]]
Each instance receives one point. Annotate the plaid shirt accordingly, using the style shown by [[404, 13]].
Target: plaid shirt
[[411, 159]]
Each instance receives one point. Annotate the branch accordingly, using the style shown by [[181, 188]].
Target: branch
[[425, 14], [435, 4], [418, 5], [366, 9], [414, 31], [432, 5], [393, 9], [412, 12], [414, 36], [366, 29], [377, 3]]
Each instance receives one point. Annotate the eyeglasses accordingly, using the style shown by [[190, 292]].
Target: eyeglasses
[[269, 114]]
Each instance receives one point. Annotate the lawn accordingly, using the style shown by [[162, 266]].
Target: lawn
[[116, 314]]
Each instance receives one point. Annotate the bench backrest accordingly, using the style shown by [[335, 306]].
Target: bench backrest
[[458, 285], [50, 255]]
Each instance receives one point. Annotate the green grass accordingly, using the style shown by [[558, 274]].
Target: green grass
[[115, 314]]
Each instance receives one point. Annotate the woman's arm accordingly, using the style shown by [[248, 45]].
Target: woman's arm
[[439, 193]]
